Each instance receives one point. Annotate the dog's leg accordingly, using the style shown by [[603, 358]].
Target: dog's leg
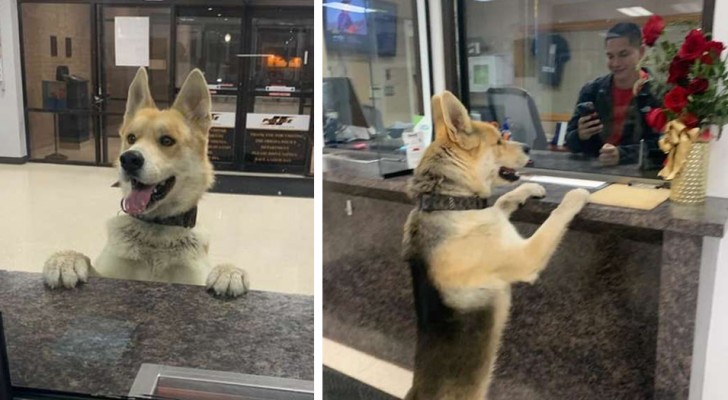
[[539, 248], [66, 269], [226, 280], [509, 202]]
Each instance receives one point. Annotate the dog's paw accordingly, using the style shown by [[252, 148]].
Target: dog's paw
[[226, 280], [533, 190], [575, 200], [66, 269]]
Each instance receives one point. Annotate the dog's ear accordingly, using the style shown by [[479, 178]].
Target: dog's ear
[[194, 101], [139, 95], [457, 121]]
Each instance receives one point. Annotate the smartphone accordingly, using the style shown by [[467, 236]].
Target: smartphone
[[585, 108]]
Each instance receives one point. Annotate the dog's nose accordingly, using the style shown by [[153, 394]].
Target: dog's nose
[[526, 149], [131, 161]]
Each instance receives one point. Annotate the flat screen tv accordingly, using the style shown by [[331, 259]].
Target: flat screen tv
[[361, 26]]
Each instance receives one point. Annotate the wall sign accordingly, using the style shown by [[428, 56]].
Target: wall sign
[[276, 140], [221, 140]]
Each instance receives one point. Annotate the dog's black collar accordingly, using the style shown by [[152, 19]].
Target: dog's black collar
[[186, 219], [438, 202]]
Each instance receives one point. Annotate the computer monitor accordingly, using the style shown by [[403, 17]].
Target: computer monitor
[[339, 97]]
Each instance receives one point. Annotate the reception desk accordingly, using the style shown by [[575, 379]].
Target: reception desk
[[612, 316], [95, 338]]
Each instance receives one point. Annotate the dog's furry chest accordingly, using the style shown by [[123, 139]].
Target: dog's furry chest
[[154, 249]]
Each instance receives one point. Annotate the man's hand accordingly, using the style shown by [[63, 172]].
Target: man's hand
[[609, 155], [589, 126]]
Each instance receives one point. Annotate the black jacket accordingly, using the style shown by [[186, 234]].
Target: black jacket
[[599, 91]]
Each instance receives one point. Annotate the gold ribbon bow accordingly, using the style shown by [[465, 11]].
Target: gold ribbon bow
[[676, 143]]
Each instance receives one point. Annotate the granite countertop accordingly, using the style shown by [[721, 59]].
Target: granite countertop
[[708, 219], [94, 339]]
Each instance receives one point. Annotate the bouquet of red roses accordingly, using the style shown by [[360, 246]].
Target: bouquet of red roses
[[694, 92]]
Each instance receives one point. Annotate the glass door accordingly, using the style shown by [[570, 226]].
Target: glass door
[[210, 38], [278, 92], [59, 80], [143, 35]]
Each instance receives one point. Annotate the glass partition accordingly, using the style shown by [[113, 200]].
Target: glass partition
[[375, 97], [542, 65]]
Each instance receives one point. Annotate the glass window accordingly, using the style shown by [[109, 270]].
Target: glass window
[[530, 63], [373, 86]]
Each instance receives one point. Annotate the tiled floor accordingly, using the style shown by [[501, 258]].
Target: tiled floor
[[365, 370], [46, 207]]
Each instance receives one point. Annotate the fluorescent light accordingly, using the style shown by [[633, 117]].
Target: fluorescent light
[[350, 8], [635, 11], [584, 183]]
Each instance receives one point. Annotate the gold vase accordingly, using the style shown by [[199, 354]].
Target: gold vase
[[689, 185]]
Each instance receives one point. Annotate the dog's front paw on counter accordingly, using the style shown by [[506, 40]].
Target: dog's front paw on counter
[[227, 280], [574, 201], [66, 269]]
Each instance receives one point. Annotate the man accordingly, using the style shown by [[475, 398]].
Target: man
[[616, 124]]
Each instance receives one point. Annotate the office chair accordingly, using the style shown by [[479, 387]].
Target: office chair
[[523, 116]]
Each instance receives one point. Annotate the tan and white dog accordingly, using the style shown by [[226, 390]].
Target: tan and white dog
[[464, 256], [163, 173]]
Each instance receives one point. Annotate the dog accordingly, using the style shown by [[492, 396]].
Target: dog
[[164, 171], [464, 256]]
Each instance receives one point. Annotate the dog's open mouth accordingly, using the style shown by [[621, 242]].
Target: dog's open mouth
[[143, 196], [509, 174]]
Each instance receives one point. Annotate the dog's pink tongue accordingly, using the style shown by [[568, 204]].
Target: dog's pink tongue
[[136, 202]]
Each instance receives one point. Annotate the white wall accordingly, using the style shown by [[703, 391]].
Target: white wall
[[710, 362], [12, 122]]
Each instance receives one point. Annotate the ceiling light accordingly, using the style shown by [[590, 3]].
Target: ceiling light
[[350, 8], [635, 11], [227, 37]]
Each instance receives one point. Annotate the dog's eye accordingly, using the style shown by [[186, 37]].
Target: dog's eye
[[166, 141], [131, 138], [500, 142]]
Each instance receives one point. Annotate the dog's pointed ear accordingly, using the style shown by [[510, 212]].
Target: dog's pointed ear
[[457, 121], [194, 101], [139, 95]]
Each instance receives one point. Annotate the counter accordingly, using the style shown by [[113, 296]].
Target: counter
[[93, 339], [612, 316]]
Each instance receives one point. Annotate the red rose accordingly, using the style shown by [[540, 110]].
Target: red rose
[[656, 119], [698, 86], [652, 30], [713, 50], [679, 70], [690, 120], [694, 45], [677, 99]]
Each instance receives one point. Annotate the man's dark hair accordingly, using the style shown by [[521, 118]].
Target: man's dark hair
[[627, 30]]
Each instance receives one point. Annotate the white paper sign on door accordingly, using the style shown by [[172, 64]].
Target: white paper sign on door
[[131, 38]]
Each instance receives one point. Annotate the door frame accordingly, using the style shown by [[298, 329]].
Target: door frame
[[246, 95], [100, 66]]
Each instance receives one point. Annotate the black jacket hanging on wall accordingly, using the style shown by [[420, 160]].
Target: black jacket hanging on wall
[[552, 53]]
